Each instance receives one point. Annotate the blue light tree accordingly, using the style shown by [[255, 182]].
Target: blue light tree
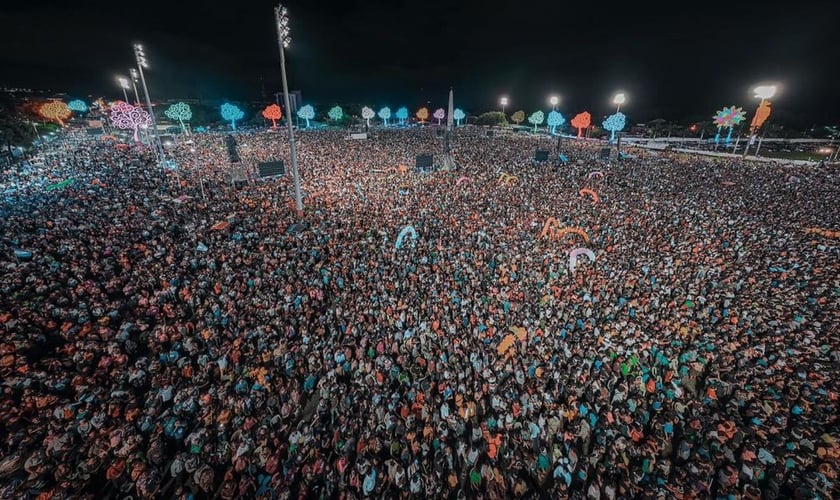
[[231, 113], [402, 115], [385, 114], [77, 105], [179, 111], [555, 119], [307, 113], [336, 113], [614, 123], [458, 115], [536, 118]]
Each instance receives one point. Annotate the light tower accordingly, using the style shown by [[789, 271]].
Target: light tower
[[281, 16], [142, 62], [134, 77]]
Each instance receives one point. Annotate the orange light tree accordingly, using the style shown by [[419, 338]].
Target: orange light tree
[[582, 121], [273, 113], [56, 111], [423, 114]]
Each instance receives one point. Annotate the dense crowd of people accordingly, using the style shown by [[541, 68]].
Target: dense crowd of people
[[183, 337]]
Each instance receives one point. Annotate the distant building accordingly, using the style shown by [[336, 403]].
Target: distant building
[[295, 100]]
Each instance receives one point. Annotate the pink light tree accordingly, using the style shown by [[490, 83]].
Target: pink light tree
[[440, 114], [127, 117]]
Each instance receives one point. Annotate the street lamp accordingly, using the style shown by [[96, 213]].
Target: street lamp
[[142, 62], [134, 78], [618, 100], [283, 39], [554, 100], [504, 102], [765, 93], [124, 84]]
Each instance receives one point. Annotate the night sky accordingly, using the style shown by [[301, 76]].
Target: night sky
[[680, 61]]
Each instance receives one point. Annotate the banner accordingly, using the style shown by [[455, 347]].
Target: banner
[[60, 185]]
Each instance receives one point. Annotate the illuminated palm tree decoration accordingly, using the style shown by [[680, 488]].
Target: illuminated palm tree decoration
[[721, 120], [737, 115], [728, 117]]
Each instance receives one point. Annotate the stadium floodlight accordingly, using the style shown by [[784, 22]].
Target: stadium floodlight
[[142, 62], [281, 18], [123, 81], [618, 100], [765, 91]]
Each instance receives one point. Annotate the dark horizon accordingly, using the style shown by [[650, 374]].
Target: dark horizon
[[681, 64]]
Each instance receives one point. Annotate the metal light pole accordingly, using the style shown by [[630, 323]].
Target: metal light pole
[[124, 84], [134, 78], [283, 40], [143, 63], [618, 100]]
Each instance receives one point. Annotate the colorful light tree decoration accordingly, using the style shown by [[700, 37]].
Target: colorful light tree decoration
[[614, 123], [272, 112], [536, 119], [56, 111], [729, 117], [458, 115], [737, 116], [77, 105], [721, 120], [232, 113], [385, 114], [423, 114], [582, 121], [440, 114], [367, 114], [555, 119], [180, 111], [124, 116], [402, 115], [335, 113], [307, 113], [518, 117]]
